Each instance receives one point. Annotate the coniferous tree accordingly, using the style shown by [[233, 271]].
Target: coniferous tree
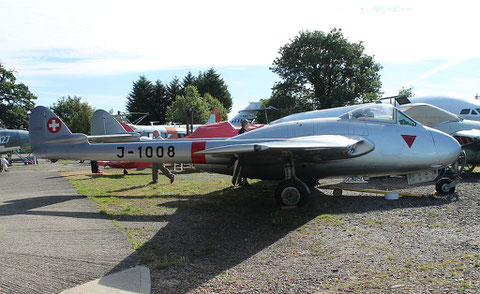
[[188, 80], [160, 102], [174, 89], [141, 97], [211, 82]]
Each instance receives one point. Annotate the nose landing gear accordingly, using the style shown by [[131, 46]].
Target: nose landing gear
[[447, 185]]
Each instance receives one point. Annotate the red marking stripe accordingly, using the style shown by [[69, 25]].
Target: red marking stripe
[[127, 127], [409, 140], [198, 146]]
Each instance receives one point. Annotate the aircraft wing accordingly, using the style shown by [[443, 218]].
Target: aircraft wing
[[473, 134], [124, 137], [469, 139], [314, 148]]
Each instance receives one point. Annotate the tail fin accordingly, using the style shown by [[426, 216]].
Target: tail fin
[[216, 116], [103, 123], [44, 125], [106, 129], [249, 113]]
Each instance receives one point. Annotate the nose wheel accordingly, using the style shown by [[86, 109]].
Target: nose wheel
[[445, 186]]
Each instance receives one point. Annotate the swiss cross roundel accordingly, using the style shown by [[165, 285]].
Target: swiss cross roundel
[[54, 125]]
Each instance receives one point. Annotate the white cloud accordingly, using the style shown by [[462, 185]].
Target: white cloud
[[126, 36]]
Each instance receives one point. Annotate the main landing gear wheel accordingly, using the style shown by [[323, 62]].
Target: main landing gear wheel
[[442, 187], [337, 192], [291, 192], [125, 172]]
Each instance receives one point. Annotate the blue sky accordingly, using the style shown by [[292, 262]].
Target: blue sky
[[97, 49]]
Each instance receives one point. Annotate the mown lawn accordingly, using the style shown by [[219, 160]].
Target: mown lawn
[[193, 197]]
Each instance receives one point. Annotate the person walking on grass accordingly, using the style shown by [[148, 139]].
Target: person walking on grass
[[159, 166]]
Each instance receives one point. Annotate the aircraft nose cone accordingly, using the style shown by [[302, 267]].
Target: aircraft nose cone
[[448, 148]]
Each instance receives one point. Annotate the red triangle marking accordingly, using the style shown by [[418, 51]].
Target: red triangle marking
[[409, 140]]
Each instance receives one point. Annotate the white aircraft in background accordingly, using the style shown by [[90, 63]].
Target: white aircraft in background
[[375, 139], [465, 108]]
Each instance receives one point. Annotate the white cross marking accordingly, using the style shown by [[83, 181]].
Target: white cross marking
[[54, 125]]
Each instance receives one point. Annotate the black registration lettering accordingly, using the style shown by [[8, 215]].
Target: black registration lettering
[[122, 152]]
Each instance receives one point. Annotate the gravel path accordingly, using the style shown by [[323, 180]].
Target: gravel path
[[52, 238], [355, 243]]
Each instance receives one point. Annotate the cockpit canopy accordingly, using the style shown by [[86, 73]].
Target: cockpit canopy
[[382, 112], [379, 113], [428, 114]]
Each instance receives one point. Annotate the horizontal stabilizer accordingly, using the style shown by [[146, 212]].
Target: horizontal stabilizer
[[473, 134], [126, 137]]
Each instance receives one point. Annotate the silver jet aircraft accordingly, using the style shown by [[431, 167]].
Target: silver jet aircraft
[[370, 140], [12, 140]]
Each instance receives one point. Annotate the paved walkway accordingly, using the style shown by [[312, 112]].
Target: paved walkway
[[51, 238]]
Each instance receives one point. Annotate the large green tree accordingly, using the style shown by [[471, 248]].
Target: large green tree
[[16, 100], [74, 113], [210, 82], [177, 111], [324, 71]]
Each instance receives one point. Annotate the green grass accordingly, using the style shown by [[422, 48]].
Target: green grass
[[196, 195]]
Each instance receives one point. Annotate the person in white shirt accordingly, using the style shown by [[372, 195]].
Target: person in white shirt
[[4, 164]]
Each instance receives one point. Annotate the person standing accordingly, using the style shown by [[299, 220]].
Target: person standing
[[159, 166], [243, 181], [4, 164], [244, 127]]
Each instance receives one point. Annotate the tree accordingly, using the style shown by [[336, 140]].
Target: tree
[[212, 103], [141, 97], [210, 82], [326, 70], [174, 89], [287, 99], [159, 103], [406, 91], [74, 113], [188, 80], [176, 112], [16, 100]]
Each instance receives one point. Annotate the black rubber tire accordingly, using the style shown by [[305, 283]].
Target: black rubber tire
[[337, 192], [439, 187], [291, 192], [125, 172]]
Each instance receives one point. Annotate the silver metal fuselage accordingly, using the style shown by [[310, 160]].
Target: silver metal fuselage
[[429, 149]]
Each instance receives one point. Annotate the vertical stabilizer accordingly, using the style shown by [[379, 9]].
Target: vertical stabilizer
[[249, 113], [103, 123]]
